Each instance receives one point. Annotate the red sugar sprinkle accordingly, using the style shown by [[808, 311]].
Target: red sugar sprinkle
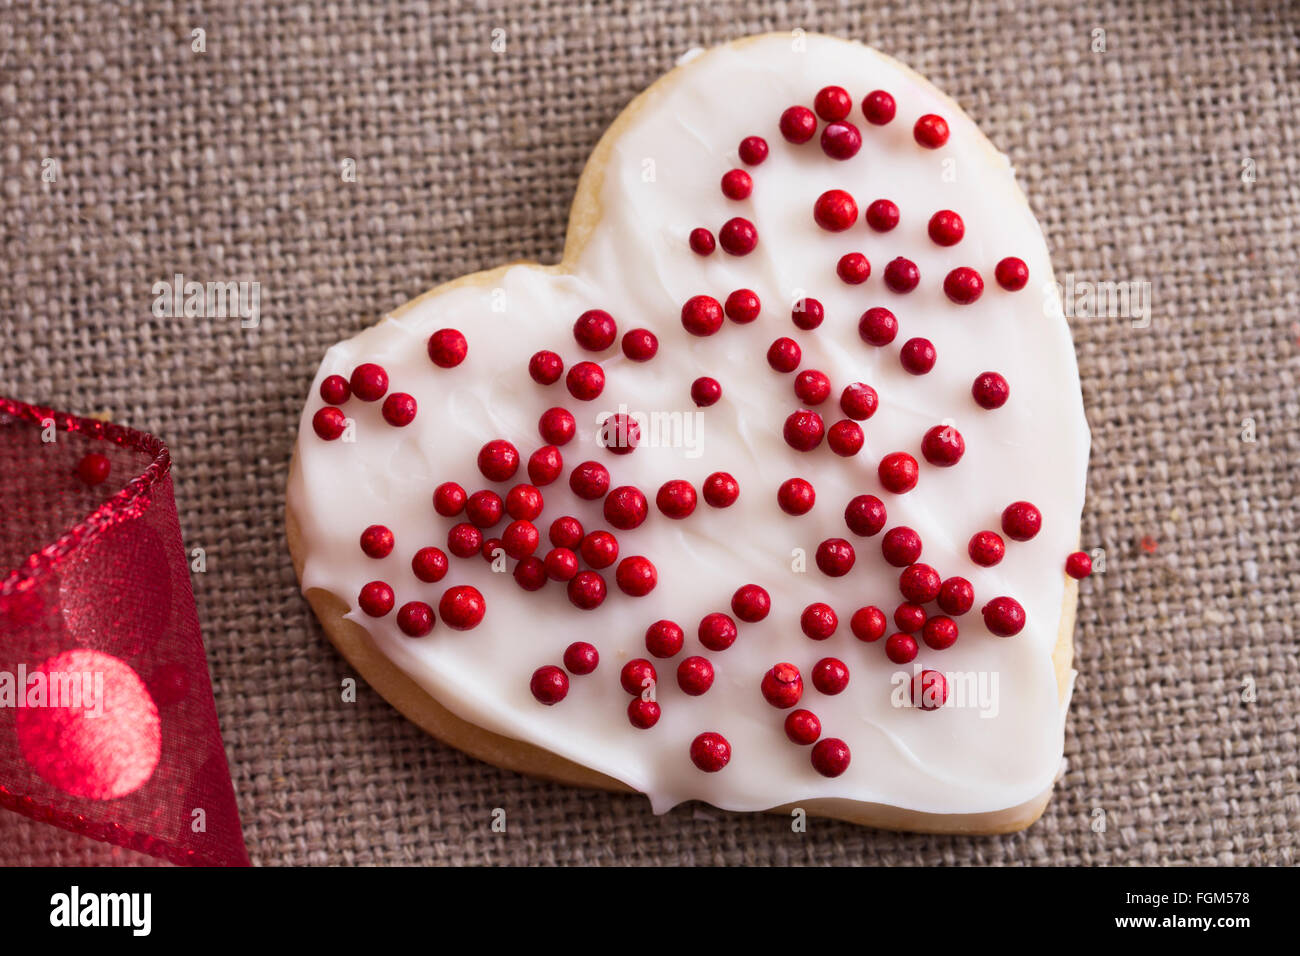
[[738, 237], [782, 686], [710, 752], [377, 541], [931, 131], [328, 423], [545, 367], [447, 348], [830, 756], [752, 150], [882, 215], [702, 241], [737, 184], [798, 124], [878, 107], [695, 675]]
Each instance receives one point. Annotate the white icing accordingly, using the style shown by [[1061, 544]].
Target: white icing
[[637, 266]]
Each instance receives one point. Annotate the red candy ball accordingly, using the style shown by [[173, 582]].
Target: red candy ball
[[943, 446], [545, 368], [830, 675], [878, 107], [415, 619], [462, 607], [802, 727], [909, 618], [328, 423], [557, 426], [705, 391], [376, 599], [901, 648], [545, 465], [710, 752], [738, 237], [1021, 521], [986, 548], [399, 409], [963, 285], [717, 631], [643, 714], [1078, 565], [595, 330], [721, 490], [702, 315], [882, 215], [931, 131], [939, 632], [751, 603], [807, 314], [565, 532], [429, 565], [929, 690], [586, 590], [484, 508], [626, 507], [812, 387], [865, 515], [585, 381], [636, 576], [841, 140], [695, 676], [524, 502], [737, 184], [464, 540], [589, 480], [335, 390], [676, 499], [498, 460], [530, 574], [640, 345], [818, 621], [377, 541], [853, 268], [784, 355], [798, 124], [835, 210], [782, 686], [702, 242], [581, 658], [877, 327], [638, 676], [804, 430], [830, 756], [1012, 274], [520, 539], [868, 624], [901, 546], [902, 275], [833, 103], [956, 596], [845, 438], [369, 382], [796, 496], [560, 564], [917, 356], [898, 472], [859, 401], [665, 639], [742, 306], [447, 348], [990, 390], [599, 549], [549, 684], [835, 557], [1004, 616], [620, 433], [919, 583], [946, 228], [752, 150]]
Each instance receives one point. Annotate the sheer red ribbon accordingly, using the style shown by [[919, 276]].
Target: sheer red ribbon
[[107, 724]]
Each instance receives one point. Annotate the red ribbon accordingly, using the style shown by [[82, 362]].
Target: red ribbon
[[107, 724]]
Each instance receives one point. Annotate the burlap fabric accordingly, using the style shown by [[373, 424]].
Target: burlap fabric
[[225, 165]]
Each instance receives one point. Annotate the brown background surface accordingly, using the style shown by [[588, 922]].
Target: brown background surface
[[225, 165]]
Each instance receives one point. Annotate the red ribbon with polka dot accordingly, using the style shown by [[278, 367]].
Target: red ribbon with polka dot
[[107, 723]]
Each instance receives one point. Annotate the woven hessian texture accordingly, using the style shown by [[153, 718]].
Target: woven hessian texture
[[225, 165]]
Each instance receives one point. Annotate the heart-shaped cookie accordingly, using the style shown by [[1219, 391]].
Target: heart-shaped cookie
[[811, 551]]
